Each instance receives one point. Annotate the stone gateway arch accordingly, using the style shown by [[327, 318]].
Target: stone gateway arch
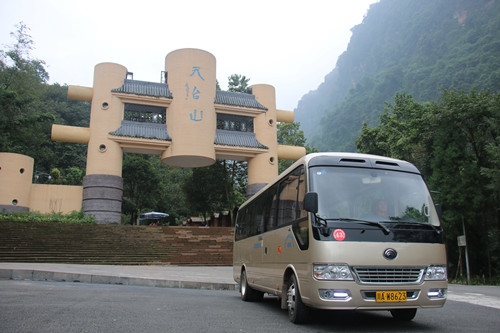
[[183, 119]]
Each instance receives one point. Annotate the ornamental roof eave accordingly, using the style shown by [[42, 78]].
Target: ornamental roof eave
[[142, 130], [238, 99], [160, 90], [237, 139], [139, 130], [144, 88]]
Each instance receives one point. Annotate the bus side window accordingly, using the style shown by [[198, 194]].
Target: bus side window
[[291, 197], [301, 232], [301, 193], [286, 202], [271, 203], [240, 224], [258, 216]]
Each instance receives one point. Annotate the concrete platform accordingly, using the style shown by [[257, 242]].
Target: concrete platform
[[192, 277]]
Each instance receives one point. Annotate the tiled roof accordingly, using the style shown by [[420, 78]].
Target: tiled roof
[[238, 139], [237, 99], [144, 88], [142, 130], [153, 89], [159, 132]]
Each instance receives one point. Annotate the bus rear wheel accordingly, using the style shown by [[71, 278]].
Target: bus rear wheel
[[248, 294], [404, 314], [297, 311]]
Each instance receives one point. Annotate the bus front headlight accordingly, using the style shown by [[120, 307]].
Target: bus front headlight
[[332, 272], [436, 272]]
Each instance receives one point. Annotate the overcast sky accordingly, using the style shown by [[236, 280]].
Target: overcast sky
[[289, 44]]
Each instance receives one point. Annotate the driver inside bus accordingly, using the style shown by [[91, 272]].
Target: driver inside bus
[[381, 209]]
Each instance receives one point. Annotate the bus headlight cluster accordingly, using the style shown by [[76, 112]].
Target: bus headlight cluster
[[436, 293], [437, 272], [334, 294], [332, 272]]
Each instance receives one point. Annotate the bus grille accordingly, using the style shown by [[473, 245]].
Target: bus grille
[[389, 274]]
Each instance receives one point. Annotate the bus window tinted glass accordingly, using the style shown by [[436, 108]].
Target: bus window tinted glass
[[291, 197], [368, 194]]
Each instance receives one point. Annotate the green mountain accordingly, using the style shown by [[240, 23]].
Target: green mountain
[[412, 46]]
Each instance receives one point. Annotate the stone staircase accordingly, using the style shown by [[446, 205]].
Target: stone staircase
[[115, 244]]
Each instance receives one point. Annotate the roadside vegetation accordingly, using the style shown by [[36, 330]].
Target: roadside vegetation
[[74, 217]]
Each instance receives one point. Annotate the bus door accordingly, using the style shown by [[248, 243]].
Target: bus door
[[255, 246]]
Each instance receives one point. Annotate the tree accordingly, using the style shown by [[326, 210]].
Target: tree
[[462, 143], [140, 185], [402, 132], [235, 185], [55, 176], [205, 190], [172, 198], [22, 111], [290, 134], [454, 142], [238, 83], [29, 107], [18, 72], [74, 176]]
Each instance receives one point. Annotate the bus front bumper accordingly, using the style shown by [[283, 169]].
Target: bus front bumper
[[351, 296]]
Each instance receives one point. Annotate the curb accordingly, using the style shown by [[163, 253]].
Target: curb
[[40, 275]]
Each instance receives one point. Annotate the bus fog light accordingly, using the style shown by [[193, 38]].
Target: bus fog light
[[331, 272], [334, 294], [437, 272], [436, 293]]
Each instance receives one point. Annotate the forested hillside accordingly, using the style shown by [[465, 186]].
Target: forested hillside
[[411, 46]]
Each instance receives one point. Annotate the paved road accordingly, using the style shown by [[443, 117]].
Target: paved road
[[480, 295], [35, 306]]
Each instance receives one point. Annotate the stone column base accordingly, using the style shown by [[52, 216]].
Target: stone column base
[[13, 209], [102, 198]]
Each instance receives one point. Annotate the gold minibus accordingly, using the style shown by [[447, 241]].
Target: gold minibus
[[343, 231]]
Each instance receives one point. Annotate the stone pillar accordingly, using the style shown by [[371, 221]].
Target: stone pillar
[[102, 197], [16, 174], [263, 168], [103, 185], [191, 118]]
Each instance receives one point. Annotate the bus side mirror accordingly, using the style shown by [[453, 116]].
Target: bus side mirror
[[439, 210], [311, 202]]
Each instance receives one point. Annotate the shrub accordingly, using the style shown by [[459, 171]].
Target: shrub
[[73, 217]]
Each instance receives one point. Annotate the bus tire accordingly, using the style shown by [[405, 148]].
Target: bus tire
[[404, 314], [297, 311], [248, 294]]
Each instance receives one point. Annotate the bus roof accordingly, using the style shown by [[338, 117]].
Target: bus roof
[[359, 160]]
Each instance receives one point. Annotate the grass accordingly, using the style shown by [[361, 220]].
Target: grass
[[477, 281]]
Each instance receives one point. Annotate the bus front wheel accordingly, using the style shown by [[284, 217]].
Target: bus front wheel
[[248, 294], [297, 311]]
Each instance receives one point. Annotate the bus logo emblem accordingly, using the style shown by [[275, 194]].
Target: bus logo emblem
[[390, 254]]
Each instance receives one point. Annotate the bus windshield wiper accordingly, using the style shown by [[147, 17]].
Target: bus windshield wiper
[[399, 221], [375, 223]]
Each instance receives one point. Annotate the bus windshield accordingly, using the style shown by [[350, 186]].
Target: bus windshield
[[376, 195]]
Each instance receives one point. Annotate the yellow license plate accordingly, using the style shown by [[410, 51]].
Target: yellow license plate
[[391, 296]]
